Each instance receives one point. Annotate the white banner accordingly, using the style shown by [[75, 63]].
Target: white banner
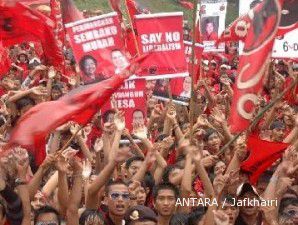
[[284, 48], [212, 22]]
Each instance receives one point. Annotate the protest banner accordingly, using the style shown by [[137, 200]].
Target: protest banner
[[180, 90], [161, 34], [285, 46], [131, 99], [98, 47], [212, 23]]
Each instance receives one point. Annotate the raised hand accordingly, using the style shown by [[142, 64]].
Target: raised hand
[[51, 72], [76, 129], [87, 169], [119, 121], [157, 111], [140, 131], [98, 145], [39, 91], [220, 218], [210, 161]]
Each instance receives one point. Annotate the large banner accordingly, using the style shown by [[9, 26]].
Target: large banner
[[131, 99], [161, 34], [284, 47], [98, 47], [212, 23]]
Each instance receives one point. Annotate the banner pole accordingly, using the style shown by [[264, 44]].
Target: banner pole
[[132, 28], [258, 117], [192, 98]]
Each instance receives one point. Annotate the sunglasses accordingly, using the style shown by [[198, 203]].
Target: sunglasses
[[116, 195], [47, 223]]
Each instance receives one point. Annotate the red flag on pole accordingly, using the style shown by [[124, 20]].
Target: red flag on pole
[[253, 62], [79, 106], [21, 24], [289, 18], [115, 5], [262, 154]]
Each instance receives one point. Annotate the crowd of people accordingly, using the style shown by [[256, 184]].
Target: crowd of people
[[175, 174]]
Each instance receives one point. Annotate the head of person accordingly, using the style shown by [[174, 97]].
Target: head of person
[[57, 91], [165, 196], [196, 217], [138, 117], [227, 204], [47, 215], [172, 171], [119, 59], [187, 84], [277, 131], [118, 198], [141, 192], [263, 181], [133, 164], [288, 210], [254, 3], [24, 104], [209, 26], [219, 168], [140, 215], [212, 140], [246, 191], [108, 116], [23, 57], [91, 216], [88, 65]]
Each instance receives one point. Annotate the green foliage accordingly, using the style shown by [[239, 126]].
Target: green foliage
[[156, 6]]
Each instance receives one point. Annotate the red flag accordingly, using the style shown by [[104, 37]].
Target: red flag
[[21, 24], [262, 155], [253, 62], [186, 4], [4, 61], [134, 8], [79, 105], [70, 13]]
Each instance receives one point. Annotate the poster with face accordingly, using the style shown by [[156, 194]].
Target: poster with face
[[212, 23], [98, 47], [179, 88], [285, 46]]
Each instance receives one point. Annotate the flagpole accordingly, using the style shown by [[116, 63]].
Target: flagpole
[[132, 28], [258, 117], [192, 99]]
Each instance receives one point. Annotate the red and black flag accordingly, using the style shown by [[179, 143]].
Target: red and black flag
[[253, 63], [289, 17]]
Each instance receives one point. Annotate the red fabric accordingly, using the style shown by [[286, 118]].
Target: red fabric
[[258, 45], [79, 105], [22, 24], [134, 8], [262, 155], [4, 61], [116, 6], [186, 4], [70, 13], [289, 21]]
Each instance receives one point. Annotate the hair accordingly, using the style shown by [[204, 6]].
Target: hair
[[90, 213], [2, 120], [209, 132], [21, 103], [254, 3], [46, 209], [114, 182], [2, 208], [83, 60], [196, 216], [165, 186], [286, 202], [138, 110], [132, 159], [106, 114], [167, 171], [179, 219], [116, 50]]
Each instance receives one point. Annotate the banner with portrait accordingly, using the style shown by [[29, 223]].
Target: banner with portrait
[[178, 88], [131, 99], [212, 23], [161, 34], [98, 47], [285, 46]]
